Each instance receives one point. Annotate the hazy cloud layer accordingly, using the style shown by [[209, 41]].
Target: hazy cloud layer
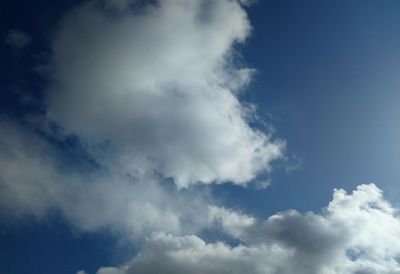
[[358, 233], [17, 39], [35, 181], [156, 89]]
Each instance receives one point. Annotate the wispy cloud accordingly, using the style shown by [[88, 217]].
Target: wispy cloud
[[36, 181], [17, 39]]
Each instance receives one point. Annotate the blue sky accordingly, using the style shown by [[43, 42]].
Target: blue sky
[[322, 76], [328, 75]]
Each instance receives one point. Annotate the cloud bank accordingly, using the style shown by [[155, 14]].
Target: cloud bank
[[357, 233]]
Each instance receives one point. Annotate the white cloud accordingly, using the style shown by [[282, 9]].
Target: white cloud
[[35, 181], [17, 39], [151, 91], [358, 233], [153, 94], [156, 89], [230, 221]]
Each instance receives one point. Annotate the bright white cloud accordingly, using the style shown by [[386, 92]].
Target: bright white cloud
[[156, 89], [358, 233]]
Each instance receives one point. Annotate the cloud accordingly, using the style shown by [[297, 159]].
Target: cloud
[[150, 92], [36, 180], [232, 222], [357, 233], [155, 89], [17, 39]]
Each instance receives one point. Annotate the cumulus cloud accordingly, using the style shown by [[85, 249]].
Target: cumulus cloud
[[17, 39], [154, 88], [36, 181], [357, 233], [230, 221], [151, 91]]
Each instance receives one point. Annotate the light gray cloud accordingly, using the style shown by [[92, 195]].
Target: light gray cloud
[[17, 39], [152, 94], [35, 181], [159, 87], [358, 233]]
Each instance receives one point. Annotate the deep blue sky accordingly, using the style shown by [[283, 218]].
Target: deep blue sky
[[328, 74], [327, 80]]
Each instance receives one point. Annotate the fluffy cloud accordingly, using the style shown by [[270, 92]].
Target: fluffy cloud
[[154, 88], [358, 233], [151, 90], [35, 180], [230, 221]]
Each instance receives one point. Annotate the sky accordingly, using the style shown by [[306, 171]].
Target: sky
[[177, 136]]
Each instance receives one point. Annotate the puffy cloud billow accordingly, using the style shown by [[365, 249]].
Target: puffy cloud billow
[[150, 90], [357, 233], [156, 88]]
